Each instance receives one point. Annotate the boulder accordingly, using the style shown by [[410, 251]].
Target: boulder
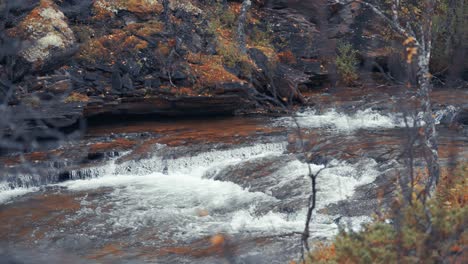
[[47, 40]]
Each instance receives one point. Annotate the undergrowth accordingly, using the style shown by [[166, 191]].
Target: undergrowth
[[346, 63], [418, 232]]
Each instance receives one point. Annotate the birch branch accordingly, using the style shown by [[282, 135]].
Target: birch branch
[[392, 22]]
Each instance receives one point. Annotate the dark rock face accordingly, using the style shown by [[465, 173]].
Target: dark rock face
[[125, 46]]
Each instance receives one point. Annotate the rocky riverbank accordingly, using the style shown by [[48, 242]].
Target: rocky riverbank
[[68, 60]]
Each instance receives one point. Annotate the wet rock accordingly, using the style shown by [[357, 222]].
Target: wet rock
[[60, 87], [18, 9], [127, 82], [292, 31], [78, 10], [90, 76], [367, 198], [197, 41], [74, 242], [185, 6], [181, 106], [152, 82], [116, 81], [461, 117], [296, 40], [277, 4], [287, 82], [47, 39], [232, 88]]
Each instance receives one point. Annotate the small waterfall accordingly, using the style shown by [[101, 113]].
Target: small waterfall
[[362, 119], [16, 184], [171, 194], [342, 122]]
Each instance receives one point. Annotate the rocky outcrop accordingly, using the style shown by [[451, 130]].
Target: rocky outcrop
[[111, 55], [127, 51]]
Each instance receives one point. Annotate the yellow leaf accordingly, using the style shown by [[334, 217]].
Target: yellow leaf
[[408, 41]]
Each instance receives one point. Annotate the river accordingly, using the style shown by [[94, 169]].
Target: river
[[210, 190]]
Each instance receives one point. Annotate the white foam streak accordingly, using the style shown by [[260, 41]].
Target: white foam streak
[[362, 119], [336, 182], [277, 223], [7, 194]]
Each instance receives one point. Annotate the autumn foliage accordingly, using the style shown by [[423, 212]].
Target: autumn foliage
[[416, 233]]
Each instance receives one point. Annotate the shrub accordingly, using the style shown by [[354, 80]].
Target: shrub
[[232, 57], [227, 17], [404, 237], [221, 17], [229, 52], [346, 63], [261, 37]]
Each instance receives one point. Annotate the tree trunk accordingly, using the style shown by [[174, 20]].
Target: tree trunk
[[167, 12], [241, 26], [430, 133], [425, 87]]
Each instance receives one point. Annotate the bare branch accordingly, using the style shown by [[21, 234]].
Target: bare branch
[[393, 22]]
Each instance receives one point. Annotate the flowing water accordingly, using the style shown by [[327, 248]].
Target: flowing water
[[195, 202]]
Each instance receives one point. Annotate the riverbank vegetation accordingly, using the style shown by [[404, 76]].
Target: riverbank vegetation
[[414, 231]]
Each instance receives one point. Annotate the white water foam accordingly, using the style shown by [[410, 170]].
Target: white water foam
[[173, 200], [7, 193], [362, 119], [176, 196], [190, 165], [336, 182]]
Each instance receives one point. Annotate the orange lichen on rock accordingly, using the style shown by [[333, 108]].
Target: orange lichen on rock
[[145, 29], [144, 6], [76, 97], [120, 41], [108, 8], [235, 7], [287, 57], [134, 43], [210, 70], [109, 48]]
